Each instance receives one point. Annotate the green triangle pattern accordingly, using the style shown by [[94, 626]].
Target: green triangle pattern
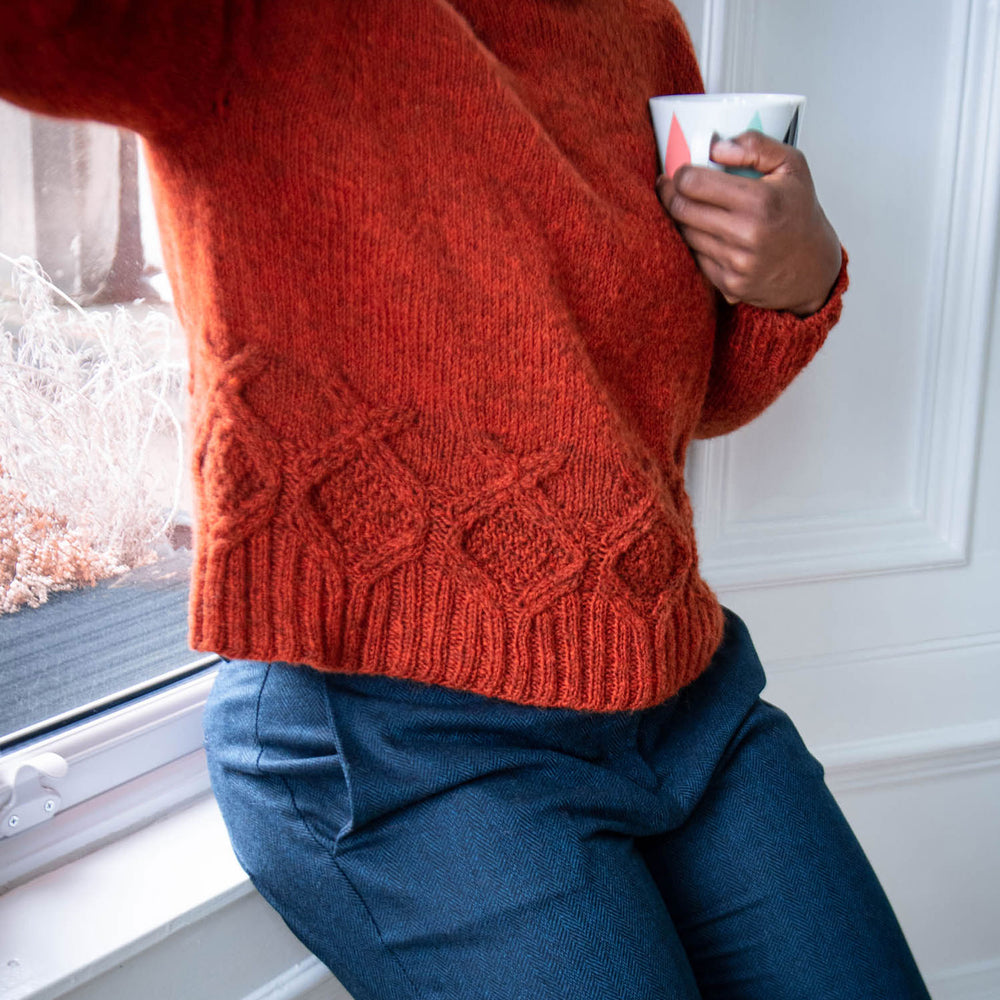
[[756, 125]]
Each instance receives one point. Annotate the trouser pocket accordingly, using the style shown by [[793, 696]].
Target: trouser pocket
[[274, 760], [299, 744]]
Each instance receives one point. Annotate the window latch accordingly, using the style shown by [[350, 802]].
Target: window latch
[[27, 795]]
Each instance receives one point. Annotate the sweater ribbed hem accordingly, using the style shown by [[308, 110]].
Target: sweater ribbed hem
[[587, 650]]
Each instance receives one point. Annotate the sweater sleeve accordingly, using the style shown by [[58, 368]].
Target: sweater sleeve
[[758, 352], [148, 65]]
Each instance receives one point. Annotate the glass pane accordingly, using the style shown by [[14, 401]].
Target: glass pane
[[95, 504]]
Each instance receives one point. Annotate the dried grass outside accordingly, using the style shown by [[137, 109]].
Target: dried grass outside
[[84, 397]]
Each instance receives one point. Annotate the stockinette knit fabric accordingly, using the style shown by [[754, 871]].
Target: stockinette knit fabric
[[447, 349]]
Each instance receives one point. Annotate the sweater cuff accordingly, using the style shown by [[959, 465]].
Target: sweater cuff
[[801, 327]]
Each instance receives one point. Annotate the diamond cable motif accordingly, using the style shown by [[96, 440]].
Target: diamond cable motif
[[235, 457], [509, 513], [360, 502]]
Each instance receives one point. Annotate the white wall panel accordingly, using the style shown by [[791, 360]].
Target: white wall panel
[[867, 463], [856, 525]]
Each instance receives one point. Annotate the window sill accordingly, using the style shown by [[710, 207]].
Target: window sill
[[126, 768], [66, 927]]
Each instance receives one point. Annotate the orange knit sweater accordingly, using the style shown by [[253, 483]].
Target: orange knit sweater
[[447, 349]]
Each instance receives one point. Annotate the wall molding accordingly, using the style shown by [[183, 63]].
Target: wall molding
[[978, 981], [912, 757], [932, 527], [879, 655], [729, 49], [309, 979]]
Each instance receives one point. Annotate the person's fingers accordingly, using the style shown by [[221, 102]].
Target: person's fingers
[[737, 262], [664, 190], [718, 275], [757, 151], [722, 262], [735, 228], [736, 194]]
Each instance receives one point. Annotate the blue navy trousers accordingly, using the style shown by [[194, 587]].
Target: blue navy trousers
[[437, 844]]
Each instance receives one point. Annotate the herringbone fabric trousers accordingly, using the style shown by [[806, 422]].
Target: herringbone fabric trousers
[[435, 844]]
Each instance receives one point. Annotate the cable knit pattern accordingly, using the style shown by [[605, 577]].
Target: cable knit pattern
[[447, 349]]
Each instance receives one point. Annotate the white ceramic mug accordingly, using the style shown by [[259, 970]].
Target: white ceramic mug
[[685, 124]]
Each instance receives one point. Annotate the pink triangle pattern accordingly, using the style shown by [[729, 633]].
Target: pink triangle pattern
[[678, 152]]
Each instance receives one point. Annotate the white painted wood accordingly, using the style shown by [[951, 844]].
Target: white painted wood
[[885, 691], [856, 525], [729, 47], [168, 913], [867, 464], [135, 894], [933, 844], [17, 204], [125, 767], [937, 753], [309, 980], [693, 12], [978, 981]]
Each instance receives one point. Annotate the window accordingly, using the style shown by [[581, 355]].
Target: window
[[100, 687]]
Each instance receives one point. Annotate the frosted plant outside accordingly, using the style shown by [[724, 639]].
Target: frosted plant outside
[[83, 395]]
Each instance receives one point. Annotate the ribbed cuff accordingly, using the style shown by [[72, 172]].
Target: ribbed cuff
[[793, 340]]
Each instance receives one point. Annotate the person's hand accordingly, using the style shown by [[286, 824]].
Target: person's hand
[[764, 241]]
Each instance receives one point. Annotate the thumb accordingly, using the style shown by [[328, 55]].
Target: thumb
[[665, 190], [751, 150]]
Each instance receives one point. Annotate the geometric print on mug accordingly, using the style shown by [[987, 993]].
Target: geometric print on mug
[[685, 124]]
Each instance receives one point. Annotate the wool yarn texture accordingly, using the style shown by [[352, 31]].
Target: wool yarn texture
[[447, 350]]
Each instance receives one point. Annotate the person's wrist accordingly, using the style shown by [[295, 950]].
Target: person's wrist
[[830, 273], [811, 308]]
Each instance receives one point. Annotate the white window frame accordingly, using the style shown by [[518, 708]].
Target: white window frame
[[123, 767]]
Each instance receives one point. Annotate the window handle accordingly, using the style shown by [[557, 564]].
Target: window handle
[[27, 793]]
